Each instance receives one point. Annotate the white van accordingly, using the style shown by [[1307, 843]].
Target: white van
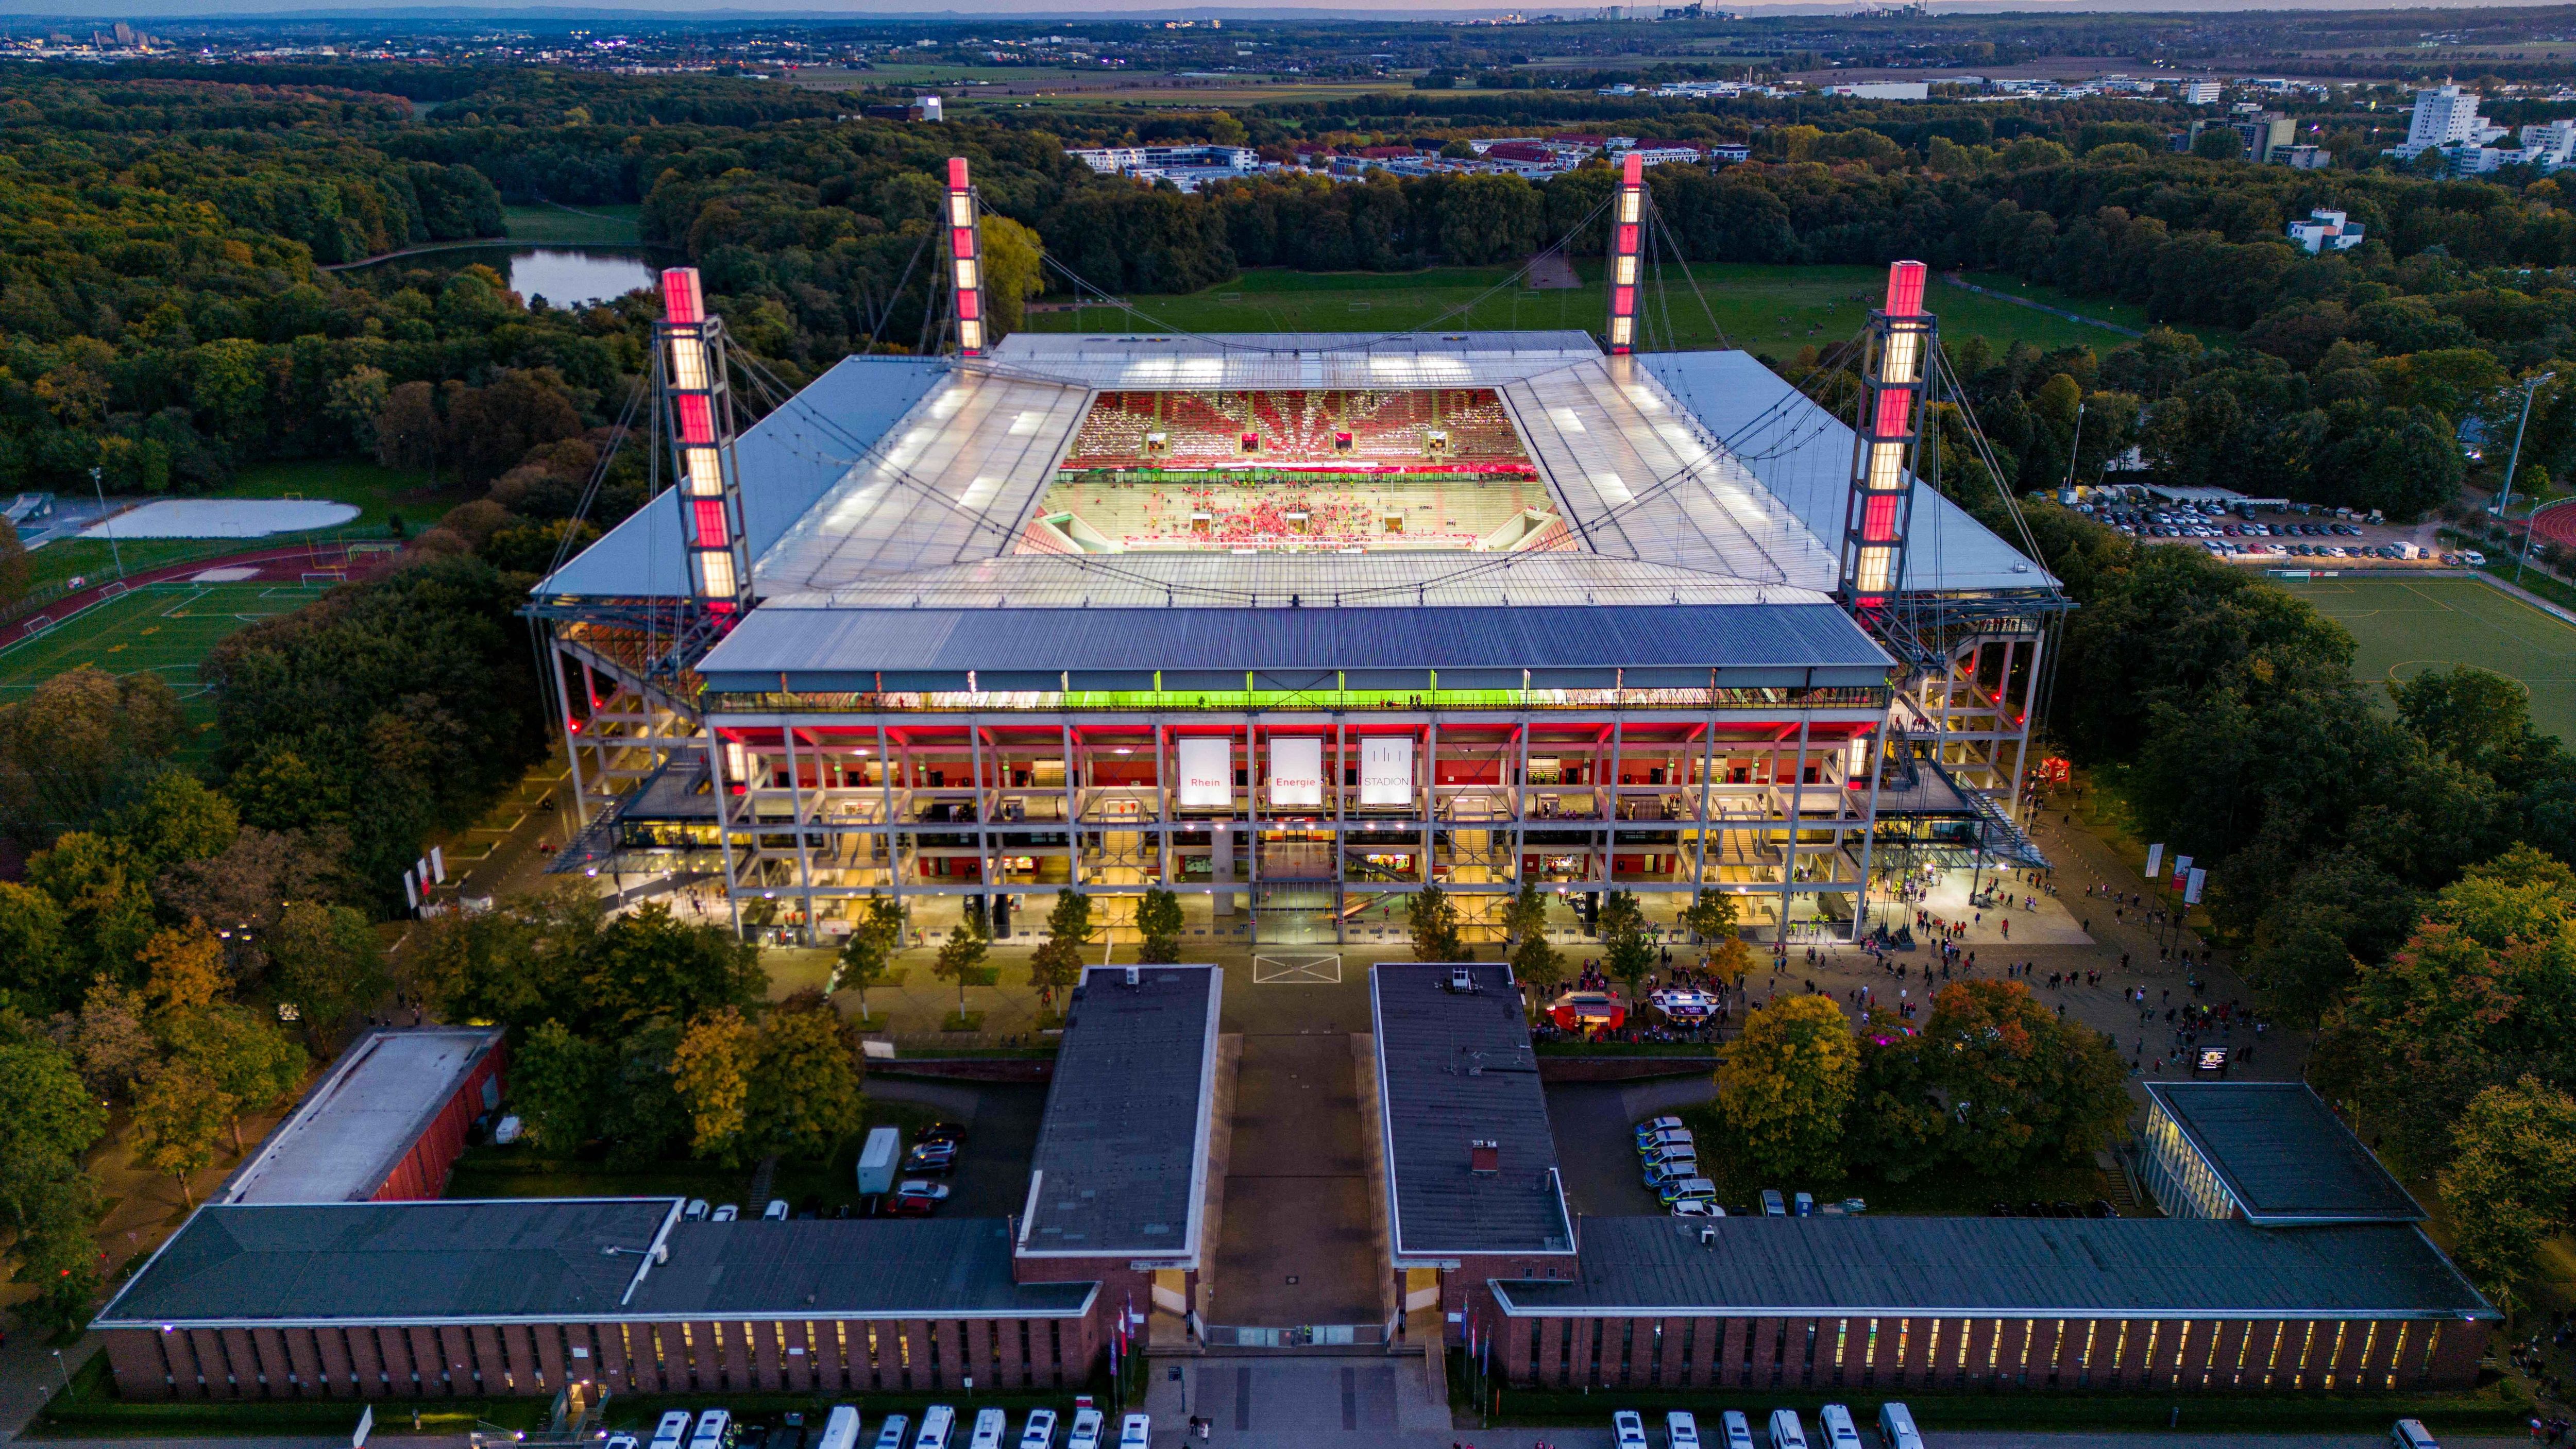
[[1087, 1424], [1896, 1426], [841, 1429], [1736, 1429], [890, 1433], [673, 1431], [1136, 1432], [1840, 1432], [1785, 1433], [938, 1426], [1774, 1205], [1628, 1427], [990, 1424], [2411, 1434], [715, 1431], [1039, 1433], [1681, 1431]]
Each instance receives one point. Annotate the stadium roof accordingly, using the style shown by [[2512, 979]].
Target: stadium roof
[[1453, 1069], [577, 1259], [786, 460], [1122, 1155], [350, 1133], [1287, 360], [2283, 1154], [1002, 649], [1803, 457], [2016, 1267]]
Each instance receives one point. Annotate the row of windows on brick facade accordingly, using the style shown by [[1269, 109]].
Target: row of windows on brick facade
[[1827, 1347], [866, 1354]]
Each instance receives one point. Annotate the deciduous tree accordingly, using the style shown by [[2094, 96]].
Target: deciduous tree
[[1158, 921], [1787, 1086], [2511, 1182], [179, 1111], [1057, 963], [711, 1068], [1432, 919], [869, 952], [804, 1086]]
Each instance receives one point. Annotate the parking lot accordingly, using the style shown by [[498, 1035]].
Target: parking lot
[[1596, 1152], [991, 1179], [2293, 535]]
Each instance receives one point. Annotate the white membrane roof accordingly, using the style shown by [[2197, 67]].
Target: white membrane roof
[[1687, 478]]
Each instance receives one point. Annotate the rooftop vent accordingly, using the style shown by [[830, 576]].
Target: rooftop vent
[[1135, 978], [1484, 1157]]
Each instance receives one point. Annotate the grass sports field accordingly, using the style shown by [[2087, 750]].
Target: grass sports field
[[2406, 626], [162, 629], [1772, 309]]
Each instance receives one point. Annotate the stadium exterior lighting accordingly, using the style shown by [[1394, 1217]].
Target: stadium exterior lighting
[[965, 260], [698, 409], [1627, 231], [1882, 495]]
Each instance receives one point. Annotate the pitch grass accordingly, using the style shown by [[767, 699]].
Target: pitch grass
[[1767, 309], [2407, 626], [164, 629]]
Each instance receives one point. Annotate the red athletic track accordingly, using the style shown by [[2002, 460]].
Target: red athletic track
[[2556, 524], [288, 564]]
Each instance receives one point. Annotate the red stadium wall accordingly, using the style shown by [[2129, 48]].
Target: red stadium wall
[[422, 1173]]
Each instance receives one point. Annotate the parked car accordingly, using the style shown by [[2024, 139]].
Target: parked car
[[1774, 1205], [673, 1431], [938, 1426], [776, 1212], [1086, 1429], [1684, 1188], [1629, 1428], [1654, 1125], [1136, 1432], [1681, 1431], [1039, 1432], [914, 1198], [1671, 1170], [1696, 1207], [930, 1157], [728, 1212], [890, 1434]]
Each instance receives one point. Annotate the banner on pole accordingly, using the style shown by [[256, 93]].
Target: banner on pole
[[2191, 888], [2155, 857]]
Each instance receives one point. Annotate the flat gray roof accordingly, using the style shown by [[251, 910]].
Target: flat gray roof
[[2026, 1267], [1689, 646], [1454, 1068], [546, 1259], [1121, 1162], [349, 1134], [2283, 1153], [863, 1267], [385, 1262]]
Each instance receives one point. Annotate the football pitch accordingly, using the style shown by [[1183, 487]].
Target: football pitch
[[2406, 626], [163, 628]]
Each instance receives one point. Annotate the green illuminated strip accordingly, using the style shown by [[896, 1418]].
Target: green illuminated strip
[[1260, 699]]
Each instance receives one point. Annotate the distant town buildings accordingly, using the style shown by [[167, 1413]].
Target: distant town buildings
[[2447, 121], [1187, 167], [1884, 90], [2326, 231], [2199, 92]]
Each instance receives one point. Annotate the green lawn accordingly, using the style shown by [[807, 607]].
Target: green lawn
[[605, 226], [2406, 626], [1772, 309], [2111, 310], [162, 629]]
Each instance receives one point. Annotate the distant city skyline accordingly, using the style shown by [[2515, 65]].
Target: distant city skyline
[[93, 11]]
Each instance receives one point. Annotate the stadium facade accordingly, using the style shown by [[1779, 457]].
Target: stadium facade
[[1294, 625]]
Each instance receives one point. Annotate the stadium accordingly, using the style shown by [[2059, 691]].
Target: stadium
[[1296, 625]]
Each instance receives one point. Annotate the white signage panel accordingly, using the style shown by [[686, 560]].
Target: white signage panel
[[1386, 770], [1207, 771], [1296, 771]]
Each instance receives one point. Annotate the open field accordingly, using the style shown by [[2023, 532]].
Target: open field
[[163, 629], [603, 226], [1771, 309], [379, 494], [2407, 626]]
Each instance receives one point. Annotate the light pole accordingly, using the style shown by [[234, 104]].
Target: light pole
[[2504, 499], [100, 490]]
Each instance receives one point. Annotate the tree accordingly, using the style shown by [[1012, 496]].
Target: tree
[[1158, 921], [1433, 920], [78, 745], [1014, 271], [39, 973], [48, 1119], [1627, 952], [711, 1068], [2511, 1182], [649, 963], [2218, 143], [107, 1038], [175, 819], [1526, 916], [2022, 1085], [869, 952], [1788, 1083], [960, 955], [558, 1082], [178, 1113], [1712, 916], [643, 1117], [1057, 963], [1537, 964], [328, 962], [183, 968], [248, 1058], [106, 909], [804, 1087]]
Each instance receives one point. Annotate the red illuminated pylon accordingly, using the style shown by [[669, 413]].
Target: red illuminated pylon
[[1882, 493]]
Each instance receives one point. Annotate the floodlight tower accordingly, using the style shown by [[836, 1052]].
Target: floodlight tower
[[1627, 243], [698, 413], [965, 260], [1881, 506]]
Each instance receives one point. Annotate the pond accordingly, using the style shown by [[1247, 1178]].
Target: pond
[[577, 276]]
